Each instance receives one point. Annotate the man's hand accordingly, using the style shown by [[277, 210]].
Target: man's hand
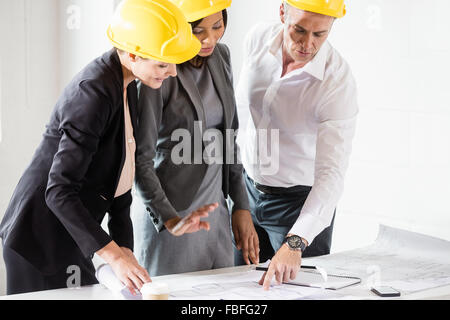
[[125, 266], [191, 223], [245, 235], [284, 266]]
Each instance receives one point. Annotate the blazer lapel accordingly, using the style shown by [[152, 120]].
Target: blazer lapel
[[189, 85], [132, 102]]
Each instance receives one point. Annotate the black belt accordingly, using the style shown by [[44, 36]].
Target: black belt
[[279, 190]]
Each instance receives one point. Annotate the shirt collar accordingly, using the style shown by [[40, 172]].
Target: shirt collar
[[316, 67]]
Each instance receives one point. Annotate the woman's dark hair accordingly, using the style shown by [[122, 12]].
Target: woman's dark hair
[[225, 20], [198, 61]]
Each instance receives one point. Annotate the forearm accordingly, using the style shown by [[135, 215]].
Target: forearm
[[332, 157], [151, 105], [154, 196], [238, 191], [120, 225]]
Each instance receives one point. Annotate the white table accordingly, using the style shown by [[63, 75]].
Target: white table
[[99, 292]]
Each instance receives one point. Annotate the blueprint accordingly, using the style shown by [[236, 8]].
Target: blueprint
[[238, 286], [405, 260]]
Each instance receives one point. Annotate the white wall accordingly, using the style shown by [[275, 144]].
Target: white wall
[[398, 50], [82, 33], [29, 87], [400, 168], [400, 173], [51, 41]]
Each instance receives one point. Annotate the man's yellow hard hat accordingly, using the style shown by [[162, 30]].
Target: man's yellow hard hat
[[333, 8], [153, 29], [198, 9]]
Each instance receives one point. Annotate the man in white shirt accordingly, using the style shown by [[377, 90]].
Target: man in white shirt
[[297, 105]]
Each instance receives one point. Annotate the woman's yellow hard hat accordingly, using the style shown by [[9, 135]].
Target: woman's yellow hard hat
[[333, 8], [198, 9], [153, 29]]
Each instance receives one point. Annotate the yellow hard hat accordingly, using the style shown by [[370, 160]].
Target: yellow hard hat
[[333, 8], [153, 29], [198, 9]]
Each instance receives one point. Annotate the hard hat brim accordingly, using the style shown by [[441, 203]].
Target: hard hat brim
[[192, 51]]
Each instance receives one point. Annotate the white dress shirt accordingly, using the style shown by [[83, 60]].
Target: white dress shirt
[[308, 117]]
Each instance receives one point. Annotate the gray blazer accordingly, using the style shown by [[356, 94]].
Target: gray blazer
[[165, 187]]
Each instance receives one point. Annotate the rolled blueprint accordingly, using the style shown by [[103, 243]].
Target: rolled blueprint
[[105, 276]]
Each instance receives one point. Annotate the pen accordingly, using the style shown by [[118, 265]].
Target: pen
[[302, 267]]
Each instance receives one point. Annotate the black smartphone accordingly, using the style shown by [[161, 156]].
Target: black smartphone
[[385, 291]]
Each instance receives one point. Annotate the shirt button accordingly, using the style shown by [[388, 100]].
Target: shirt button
[[156, 221]]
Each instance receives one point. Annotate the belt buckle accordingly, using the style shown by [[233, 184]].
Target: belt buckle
[[258, 189]]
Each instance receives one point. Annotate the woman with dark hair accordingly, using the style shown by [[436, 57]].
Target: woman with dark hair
[[174, 177]]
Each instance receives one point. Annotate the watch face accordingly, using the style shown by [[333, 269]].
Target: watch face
[[295, 242]]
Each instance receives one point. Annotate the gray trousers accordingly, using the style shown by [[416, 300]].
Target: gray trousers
[[273, 217]]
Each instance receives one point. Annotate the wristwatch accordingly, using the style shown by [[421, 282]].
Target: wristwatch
[[295, 243]]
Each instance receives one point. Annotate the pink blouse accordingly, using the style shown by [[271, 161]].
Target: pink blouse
[[129, 168]]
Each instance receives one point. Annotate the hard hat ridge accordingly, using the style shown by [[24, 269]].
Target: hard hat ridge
[[333, 8]]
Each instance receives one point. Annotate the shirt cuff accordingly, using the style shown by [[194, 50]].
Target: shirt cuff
[[308, 226]]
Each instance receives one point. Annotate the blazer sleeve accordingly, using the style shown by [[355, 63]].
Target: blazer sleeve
[[120, 225], [237, 190], [83, 113], [150, 108]]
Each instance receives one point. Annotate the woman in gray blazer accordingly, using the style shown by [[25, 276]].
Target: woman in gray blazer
[[177, 171]]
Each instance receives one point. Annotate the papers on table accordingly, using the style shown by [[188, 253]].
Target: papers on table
[[234, 286], [407, 261]]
